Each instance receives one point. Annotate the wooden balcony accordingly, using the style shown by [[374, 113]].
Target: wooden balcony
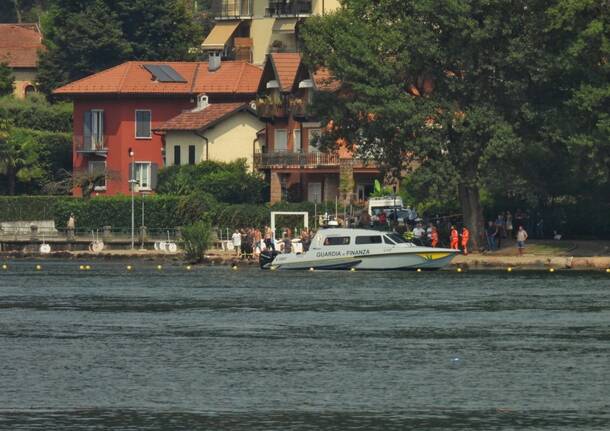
[[268, 110], [299, 160], [289, 8]]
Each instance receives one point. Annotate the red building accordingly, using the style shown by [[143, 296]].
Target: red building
[[117, 110], [296, 168]]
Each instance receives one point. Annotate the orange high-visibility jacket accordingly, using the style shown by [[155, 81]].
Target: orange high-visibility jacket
[[454, 235], [465, 236]]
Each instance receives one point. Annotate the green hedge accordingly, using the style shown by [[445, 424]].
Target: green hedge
[[28, 208], [160, 211]]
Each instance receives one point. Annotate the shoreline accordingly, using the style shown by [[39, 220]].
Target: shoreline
[[463, 262]]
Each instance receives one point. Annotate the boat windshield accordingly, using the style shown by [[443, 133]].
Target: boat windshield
[[395, 238]]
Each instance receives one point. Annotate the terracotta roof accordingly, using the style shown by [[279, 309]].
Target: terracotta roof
[[132, 78], [19, 44], [198, 120], [324, 80], [286, 65]]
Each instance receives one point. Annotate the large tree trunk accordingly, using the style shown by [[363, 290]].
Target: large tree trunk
[[473, 214]]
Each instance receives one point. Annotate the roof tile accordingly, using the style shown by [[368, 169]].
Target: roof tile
[[197, 120], [132, 78], [19, 44], [286, 66]]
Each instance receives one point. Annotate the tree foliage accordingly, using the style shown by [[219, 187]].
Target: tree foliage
[[226, 182], [7, 80], [465, 92], [86, 36]]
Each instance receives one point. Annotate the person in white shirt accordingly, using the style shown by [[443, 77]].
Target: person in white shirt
[[521, 238], [236, 242], [418, 233]]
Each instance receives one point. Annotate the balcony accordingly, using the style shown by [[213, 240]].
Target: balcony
[[295, 160], [231, 9], [269, 109], [289, 8], [93, 145], [298, 108]]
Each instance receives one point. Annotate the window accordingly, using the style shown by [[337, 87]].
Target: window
[[368, 239], [93, 130], [313, 140], [396, 238], [191, 154], [143, 119], [142, 175], [297, 141], [177, 160], [97, 174], [281, 140], [337, 240]]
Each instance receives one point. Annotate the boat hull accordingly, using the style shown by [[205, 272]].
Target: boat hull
[[421, 259]]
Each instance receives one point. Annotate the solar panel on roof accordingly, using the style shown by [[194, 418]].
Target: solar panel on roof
[[172, 73], [164, 73]]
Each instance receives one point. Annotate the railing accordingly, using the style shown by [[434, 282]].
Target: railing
[[287, 159], [298, 108], [92, 145], [227, 9], [270, 109], [289, 8]]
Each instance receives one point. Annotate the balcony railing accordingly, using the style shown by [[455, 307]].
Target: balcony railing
[[231, 9], [91, 145], [298, 108], [287, 159], [289, 8], [269, 109]]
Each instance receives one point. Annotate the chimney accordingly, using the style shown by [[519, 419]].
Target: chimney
[[202, 103], [214, 61]]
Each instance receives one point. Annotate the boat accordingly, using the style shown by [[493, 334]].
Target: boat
[[341, 248]]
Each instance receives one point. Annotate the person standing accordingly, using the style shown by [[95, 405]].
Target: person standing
[[521, 238], [71, 226], [434, 237], [453, 238], [509, 225], [236, 238], [465, 238], [490, 233]]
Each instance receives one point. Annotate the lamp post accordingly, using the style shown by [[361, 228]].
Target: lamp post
[[132, 183], [395, 215]]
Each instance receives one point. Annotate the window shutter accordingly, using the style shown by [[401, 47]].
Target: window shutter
[[87, 130], [154, 168]]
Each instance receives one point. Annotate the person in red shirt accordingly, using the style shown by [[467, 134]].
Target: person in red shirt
[[453, 238], [434, 237], [465, 238]]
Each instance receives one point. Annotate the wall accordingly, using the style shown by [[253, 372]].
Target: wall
[[119, 128], [23, 78], [261, 30], [229, 140], [325, 6]]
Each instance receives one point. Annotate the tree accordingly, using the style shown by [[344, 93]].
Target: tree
[[87, 36], [21, 156], [7, 80], [429, 85]]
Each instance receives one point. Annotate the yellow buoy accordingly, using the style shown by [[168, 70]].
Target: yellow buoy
[[459, 270], [188, 267], [87, 267], [273, 268], [129, 267], [38, 267], [352, 269], [81, 267], [159, 267], [418, 269], [607, 269], [311, 269], [509, 269], [4, 266], [234, 267], [551, 269]]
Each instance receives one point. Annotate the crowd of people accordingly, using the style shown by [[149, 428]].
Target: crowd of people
[[248, 243]]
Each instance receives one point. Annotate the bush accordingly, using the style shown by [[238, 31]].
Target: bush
[[226, 182], [197, 239], [29, 208], [36, 113]]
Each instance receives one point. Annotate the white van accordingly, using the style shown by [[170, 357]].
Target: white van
[[385, 203]]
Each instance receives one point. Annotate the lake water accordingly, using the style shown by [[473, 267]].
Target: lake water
[[220, 349]]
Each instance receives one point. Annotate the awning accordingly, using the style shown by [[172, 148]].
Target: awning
[[220, 34], [285, 25]]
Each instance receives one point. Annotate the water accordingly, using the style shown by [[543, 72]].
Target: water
[[220, 349]]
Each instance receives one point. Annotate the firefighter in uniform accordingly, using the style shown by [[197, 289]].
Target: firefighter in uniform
[[453, 238], [465, 238]]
